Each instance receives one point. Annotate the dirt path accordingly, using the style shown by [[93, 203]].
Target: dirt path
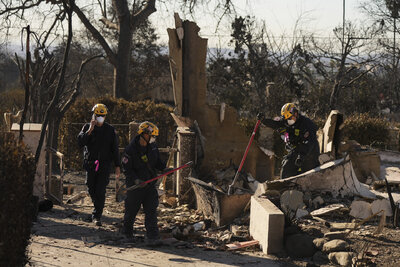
[[61, 237]]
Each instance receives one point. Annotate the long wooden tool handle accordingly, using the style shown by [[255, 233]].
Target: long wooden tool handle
[[244, 156], [160, 176]]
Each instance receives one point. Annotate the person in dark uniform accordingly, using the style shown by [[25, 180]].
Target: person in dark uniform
[[100, 148], [300, 136], [140, 160]]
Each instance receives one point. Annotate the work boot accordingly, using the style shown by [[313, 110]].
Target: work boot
[[97, 222], [154, 242]]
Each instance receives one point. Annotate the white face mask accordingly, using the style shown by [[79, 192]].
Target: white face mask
[[290, 122], [100, 120], [152, 139]]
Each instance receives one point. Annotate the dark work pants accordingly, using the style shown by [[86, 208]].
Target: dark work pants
[[290, 169], [97, 183], [148, 197]]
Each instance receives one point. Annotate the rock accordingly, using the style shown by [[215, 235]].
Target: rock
[[301, 213], [291, 200], [342, 258], [320, 258], [382, 204], [317, 202], [327, 210], [199, 226], [360, 209], [342, 226], [335, 245], [319, 242], [335, 235], [300, 245]]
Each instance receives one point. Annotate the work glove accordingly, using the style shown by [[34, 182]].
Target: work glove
[[299, 161], [260, 116], [139, 181]]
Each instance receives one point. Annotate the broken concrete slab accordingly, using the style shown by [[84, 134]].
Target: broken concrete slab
[[266, 224], [396, 196], [360, 209], [392, 174], [337, 177], [328, 209], [382, 204], [331, 132], [342, 226], [342, 258], [335, 245]]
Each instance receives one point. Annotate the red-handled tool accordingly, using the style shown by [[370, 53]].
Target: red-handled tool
[[244, 157], [121, 194]]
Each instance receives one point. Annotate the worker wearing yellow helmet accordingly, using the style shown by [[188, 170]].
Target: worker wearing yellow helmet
[[100, 143], [140, 162], [300, 136]]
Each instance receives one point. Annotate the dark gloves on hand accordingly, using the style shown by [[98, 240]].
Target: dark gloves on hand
[[299, 161], [260, 116]]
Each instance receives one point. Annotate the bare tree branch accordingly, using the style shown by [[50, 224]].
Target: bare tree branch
[[112, 57], [140, 16]]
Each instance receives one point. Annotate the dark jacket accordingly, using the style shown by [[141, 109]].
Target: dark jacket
[[301, 136], [141, 162], [101, 144]]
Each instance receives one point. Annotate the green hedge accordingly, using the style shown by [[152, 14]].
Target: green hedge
[[17, 174], [366, 130], [119, 112]]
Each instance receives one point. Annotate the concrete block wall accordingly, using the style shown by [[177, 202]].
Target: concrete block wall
[[267, 224]]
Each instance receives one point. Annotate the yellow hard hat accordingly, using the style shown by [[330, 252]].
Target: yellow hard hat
[[288, 110], [100, 109], [149, 128]]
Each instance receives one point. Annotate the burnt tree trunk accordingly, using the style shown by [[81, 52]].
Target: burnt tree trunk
[[121, 69]]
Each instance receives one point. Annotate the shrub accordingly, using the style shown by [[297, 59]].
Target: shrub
[[366, 130], [17, 174], [120, 113]]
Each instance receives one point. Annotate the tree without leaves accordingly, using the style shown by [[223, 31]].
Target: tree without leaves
[[358, 54], [385, 15], [121, 16], [263, 72]]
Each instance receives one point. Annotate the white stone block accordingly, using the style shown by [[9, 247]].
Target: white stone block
[[266, 224]]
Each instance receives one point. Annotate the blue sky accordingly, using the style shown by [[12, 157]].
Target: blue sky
[[318, 16]]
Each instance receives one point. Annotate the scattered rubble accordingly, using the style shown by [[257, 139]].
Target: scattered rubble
[[342, 258], [360, 209]]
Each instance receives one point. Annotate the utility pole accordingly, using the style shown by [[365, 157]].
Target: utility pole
[[344, 20], [28, 56]]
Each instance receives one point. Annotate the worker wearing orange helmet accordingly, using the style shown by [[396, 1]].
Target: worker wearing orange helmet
[[300, 136]]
